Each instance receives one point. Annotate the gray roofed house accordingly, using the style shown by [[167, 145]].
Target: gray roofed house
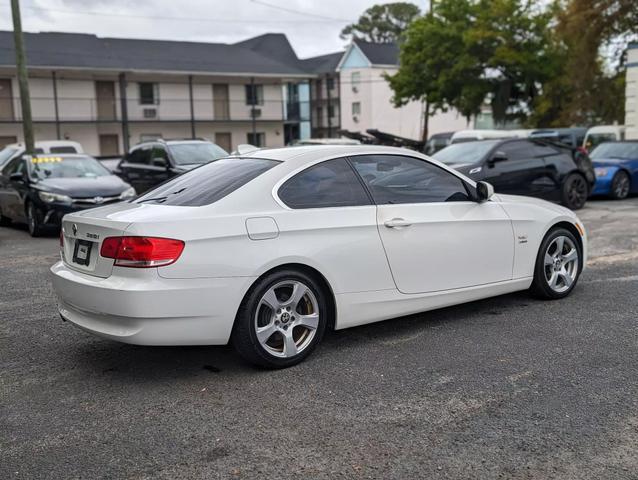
[[379, 53]]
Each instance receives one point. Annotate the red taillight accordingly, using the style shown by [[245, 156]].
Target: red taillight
[[141, 252]]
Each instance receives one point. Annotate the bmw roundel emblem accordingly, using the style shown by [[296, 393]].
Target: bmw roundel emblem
[[98, 199]]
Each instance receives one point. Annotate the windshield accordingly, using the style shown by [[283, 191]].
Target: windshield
[[6, 153], [595, 139], [196, 153], [65, 167], [615, 150], [467, 152], [207, 184]]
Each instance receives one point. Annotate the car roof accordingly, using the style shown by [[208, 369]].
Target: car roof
[[307, 153]]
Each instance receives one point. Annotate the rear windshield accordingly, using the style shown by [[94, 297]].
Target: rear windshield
[[616, 150], [208, 183], [64, 149], [468, 152], [196, 153]]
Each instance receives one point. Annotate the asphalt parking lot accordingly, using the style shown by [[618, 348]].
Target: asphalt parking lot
[[509, 387]]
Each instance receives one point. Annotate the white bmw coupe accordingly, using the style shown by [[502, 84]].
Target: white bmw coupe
[[269, 249]]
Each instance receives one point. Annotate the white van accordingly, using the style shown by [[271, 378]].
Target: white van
[[603, 133], [473, 135], [47, 147]]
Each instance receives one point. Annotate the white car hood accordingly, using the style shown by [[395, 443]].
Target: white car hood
[[503, 198]]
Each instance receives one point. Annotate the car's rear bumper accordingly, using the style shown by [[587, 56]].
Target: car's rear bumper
[[142, 308]]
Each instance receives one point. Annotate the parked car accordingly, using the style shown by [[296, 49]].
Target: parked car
[[526, 167], [14, 150], [616, 167], [41, 189], [437, 142], [278, 245], [603, 133], [151, 163], [463, 136], [574, 137]]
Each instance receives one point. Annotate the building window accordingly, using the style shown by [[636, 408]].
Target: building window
[[330, 83], [319, 115], [254, 94], [355, 80], [356, 108], [331, 111], [149, 93], [257, 139]]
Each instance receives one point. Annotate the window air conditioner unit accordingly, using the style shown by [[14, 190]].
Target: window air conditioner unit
[[355, 118], [355, 89], [255, 112], [150, 113]]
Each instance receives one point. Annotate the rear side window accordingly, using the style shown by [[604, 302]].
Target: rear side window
[[327, 184], [208, 183], [141, 156]]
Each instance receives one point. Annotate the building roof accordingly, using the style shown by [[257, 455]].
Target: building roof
[[266, 54], [322, 64], [379, 53]]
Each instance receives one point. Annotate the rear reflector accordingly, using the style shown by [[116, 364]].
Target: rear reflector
[[142, 252]]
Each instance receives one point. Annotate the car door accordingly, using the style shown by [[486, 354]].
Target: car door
[[160, 168], [12, 192], [435, 236], [134, 168], [513, 168]]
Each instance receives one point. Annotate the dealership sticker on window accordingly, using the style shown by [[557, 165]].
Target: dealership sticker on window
[[46, 159]]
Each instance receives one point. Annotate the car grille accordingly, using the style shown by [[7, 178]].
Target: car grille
[[89, 201]]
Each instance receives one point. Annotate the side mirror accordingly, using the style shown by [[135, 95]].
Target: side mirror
[[497, 157], [16, 177], [159, 162], [484, 191]]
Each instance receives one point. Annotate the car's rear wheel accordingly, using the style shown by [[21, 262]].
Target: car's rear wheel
[[34, 221], [558, 265], [620, 185], [575, 191], [281, 320]]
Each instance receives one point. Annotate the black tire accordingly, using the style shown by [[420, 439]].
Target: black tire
[[540, 286], [620, 185], [4, 221], [244, 336], [575, 191], [34, 220]]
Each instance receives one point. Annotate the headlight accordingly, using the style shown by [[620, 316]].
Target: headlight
[[128, 193], [601, 172], [48, 197]]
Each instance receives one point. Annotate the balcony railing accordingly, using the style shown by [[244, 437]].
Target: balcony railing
[[177, 110]]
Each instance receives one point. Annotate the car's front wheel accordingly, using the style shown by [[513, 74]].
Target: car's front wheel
[[620, 185], [575, 191], [281, 320], [558, 265], [34, 220]]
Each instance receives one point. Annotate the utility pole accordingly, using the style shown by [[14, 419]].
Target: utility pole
[[23, 81], [426, 115]]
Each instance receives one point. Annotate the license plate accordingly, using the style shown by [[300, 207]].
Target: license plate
[[82, 252]]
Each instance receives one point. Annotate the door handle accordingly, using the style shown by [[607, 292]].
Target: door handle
[[397, 223]]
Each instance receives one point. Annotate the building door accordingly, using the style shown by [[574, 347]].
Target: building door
[[6, 100], [105, 95], [224, 141], [109, 145], [6, 140], [221, 108]]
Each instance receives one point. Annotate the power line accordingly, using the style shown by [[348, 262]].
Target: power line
[[316, 19], [299, 12]]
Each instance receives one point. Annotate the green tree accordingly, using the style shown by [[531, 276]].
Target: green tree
[[472, 51], [382, 23]]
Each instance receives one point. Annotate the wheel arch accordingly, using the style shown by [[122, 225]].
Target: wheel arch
[[313, 272], [569, 226]]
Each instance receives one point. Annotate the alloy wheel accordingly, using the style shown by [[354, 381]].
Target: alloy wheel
[[577, 193], [621, 186], [287, 318], [561, 264], [31, 218]]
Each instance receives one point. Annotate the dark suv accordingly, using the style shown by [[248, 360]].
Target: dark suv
[[534, 167], [151, 163]]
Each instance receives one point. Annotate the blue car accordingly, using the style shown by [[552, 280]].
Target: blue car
[[616, 167]]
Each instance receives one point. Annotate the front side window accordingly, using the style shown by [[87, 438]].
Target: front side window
[[396, 179], [208, 183], [254, 94], [148, 93], [518, 150], [327, 184], [140, 156]]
